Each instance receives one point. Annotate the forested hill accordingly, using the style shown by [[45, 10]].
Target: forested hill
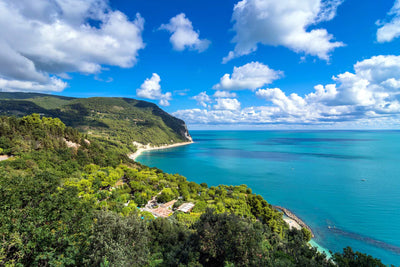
[[119, 121], [67, 200]]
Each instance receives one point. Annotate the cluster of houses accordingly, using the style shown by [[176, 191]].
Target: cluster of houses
[[164, 210], [159, 210]]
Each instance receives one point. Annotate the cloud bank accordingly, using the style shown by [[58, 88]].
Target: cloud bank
[[41, 41], [370, 93], [283, 23]]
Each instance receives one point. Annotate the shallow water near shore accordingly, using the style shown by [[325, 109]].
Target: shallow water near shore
[[344, 184]]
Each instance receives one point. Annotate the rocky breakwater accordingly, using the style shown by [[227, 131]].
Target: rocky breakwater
[[292, 216]]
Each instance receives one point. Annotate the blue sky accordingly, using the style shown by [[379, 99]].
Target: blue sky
[[216, 64]]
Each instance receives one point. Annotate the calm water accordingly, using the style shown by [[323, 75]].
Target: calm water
[[344, 184]]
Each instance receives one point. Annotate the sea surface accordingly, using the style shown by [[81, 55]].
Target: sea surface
[[344, 184]]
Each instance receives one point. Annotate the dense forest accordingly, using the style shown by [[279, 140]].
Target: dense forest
[[69, 200]]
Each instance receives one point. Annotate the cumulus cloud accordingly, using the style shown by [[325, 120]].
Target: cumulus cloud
[[391, 29], [224, 100], [283, 23], [183, 35], [151, 89], [204, 116], [42, 39], [227, 104], [250, 76], [203, 99], [369, 95], [52, 85]]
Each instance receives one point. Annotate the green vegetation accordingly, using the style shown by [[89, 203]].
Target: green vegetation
[[349, 258], [68, 200], [115, 122]]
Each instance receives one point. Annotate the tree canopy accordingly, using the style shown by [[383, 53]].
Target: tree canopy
[[79, 205]]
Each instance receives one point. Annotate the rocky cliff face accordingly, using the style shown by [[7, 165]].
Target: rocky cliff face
[[187, 135]]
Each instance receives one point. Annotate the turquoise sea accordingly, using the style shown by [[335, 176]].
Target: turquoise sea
[[344, 184]]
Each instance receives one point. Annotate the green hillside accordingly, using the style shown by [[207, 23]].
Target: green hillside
[[66, 200], [115, 121]]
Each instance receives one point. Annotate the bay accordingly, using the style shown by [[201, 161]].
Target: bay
[[344, 184]]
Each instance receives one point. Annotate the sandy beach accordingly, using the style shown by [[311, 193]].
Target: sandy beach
[[297, 225], [292, 220], [148, 147], [292, 223]]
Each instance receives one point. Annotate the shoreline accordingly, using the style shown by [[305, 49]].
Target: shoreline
[[293, 220], [143, 148]]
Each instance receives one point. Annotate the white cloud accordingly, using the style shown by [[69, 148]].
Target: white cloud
[[222, 94], [164, 101], [250, 76], [52, 85], [204, 116], [45, 38], [369, 97], [392, 83], [151, 89], [183, 35], [202, 99], [378, 68], [227, 104], [283, 23], [390, 30], [291, 104], [224, 100]]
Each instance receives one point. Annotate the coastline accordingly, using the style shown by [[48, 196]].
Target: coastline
[[293, 220], [290, 218], [142, 148], [320, 248]]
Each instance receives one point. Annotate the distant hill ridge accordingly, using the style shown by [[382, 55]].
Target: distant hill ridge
[[114, 120]]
